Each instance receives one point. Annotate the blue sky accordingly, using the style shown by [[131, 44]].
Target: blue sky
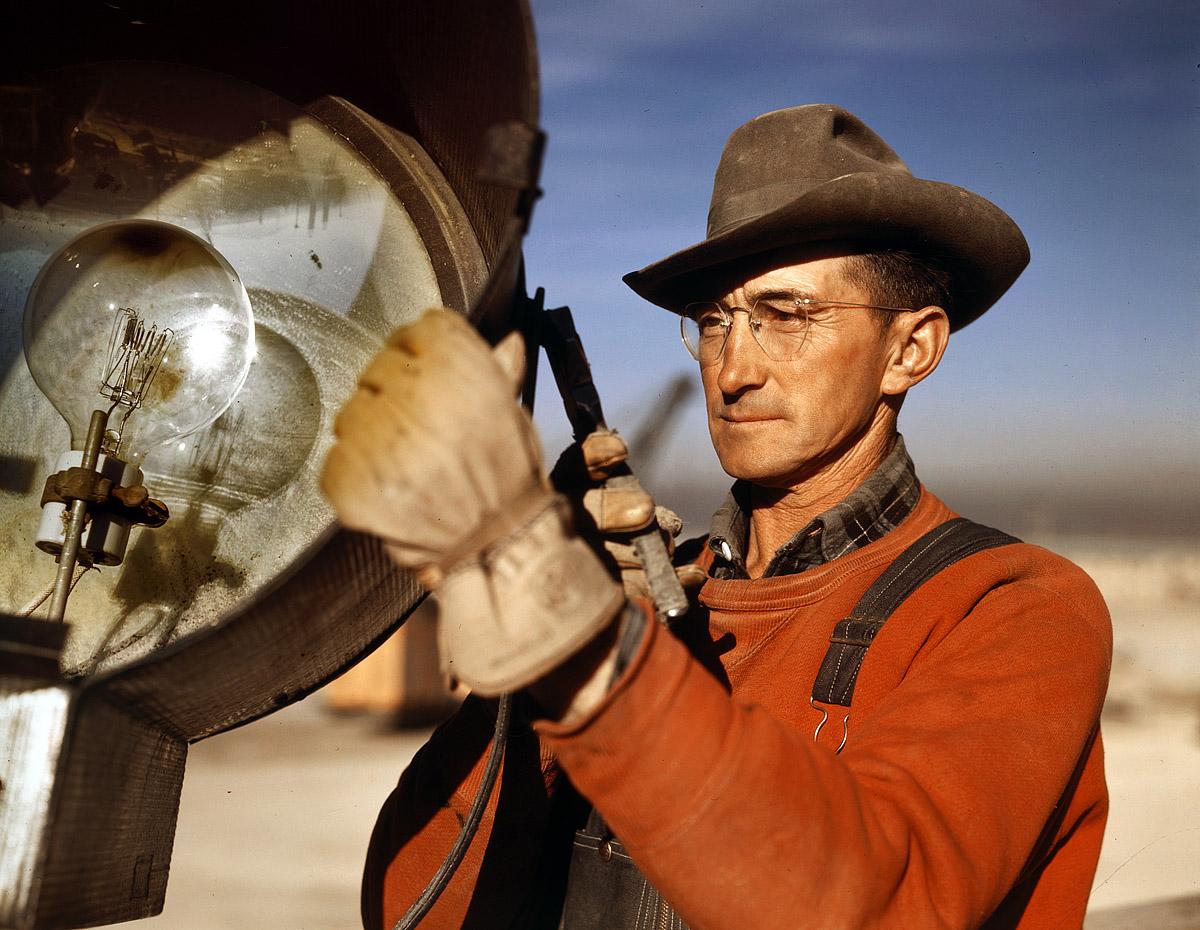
[[1082, 120]]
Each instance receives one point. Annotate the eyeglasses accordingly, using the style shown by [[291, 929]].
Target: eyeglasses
[[779, 323]]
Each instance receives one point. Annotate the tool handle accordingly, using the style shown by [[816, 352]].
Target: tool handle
[[573, 375]]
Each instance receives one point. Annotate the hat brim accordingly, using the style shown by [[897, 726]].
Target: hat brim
[[983, 247]]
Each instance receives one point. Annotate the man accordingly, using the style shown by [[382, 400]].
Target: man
[[953, 779]]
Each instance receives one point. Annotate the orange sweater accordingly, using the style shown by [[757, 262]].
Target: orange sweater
[[975, 716]]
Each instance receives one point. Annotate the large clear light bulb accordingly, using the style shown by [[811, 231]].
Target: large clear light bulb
[[139, 333], [145, 318]]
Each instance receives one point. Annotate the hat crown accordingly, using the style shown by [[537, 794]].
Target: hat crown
[[781, 156]]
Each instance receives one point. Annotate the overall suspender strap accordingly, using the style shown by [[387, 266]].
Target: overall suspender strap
[[938, 549]]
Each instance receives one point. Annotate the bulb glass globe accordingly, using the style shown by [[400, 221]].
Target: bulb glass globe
[[145, 318]]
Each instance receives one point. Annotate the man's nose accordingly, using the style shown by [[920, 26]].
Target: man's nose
[[743, 362]]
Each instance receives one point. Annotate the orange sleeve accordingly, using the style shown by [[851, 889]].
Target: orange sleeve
[[925, 820], [509, 871]]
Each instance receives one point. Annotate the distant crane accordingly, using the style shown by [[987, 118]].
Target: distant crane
[[649, 437]]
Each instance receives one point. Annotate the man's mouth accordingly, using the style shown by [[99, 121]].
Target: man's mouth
[[745, 417]]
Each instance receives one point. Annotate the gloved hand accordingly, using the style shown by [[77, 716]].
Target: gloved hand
[[436, 457], [609, 517]]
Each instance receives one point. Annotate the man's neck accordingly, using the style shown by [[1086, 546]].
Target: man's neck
[[776, 514]]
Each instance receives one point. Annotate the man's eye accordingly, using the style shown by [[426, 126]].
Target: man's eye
[[780, 318], [711, 324]]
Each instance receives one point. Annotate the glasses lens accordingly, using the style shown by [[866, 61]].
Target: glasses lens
[[781, 327], [704, 326]]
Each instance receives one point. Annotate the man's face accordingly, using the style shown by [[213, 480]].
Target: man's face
[[775, 423]]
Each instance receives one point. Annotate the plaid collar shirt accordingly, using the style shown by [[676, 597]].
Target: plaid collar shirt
[[873, 509]]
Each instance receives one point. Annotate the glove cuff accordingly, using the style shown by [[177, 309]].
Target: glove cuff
[[529, 601]]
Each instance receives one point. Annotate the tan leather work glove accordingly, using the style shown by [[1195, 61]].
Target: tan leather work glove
[[609, 517], [436, 457]]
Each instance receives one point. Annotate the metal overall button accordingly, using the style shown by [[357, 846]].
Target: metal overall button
[[604, 850]]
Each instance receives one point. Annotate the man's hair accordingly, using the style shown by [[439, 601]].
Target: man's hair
[[900, 278]]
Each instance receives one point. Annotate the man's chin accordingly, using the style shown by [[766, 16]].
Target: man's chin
[[760, 473]]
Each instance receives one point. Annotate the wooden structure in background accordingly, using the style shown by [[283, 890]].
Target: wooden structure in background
[[401, 678]]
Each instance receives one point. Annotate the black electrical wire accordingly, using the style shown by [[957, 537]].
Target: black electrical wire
[[441, 878]]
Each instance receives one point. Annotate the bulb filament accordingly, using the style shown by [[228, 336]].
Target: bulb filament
[[135, 353]]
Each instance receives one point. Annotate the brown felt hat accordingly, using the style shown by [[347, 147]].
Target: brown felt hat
[[818, 173]]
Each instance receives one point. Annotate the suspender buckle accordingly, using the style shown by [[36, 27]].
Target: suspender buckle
[[825, 716]]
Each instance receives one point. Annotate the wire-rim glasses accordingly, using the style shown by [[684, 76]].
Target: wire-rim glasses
[[778, 322]]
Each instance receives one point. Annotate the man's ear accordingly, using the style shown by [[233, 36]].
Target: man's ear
[[919, 341]]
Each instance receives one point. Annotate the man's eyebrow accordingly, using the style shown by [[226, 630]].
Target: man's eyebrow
[[772, 292]]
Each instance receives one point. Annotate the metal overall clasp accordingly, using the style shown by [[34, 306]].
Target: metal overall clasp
[[824, 718]]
